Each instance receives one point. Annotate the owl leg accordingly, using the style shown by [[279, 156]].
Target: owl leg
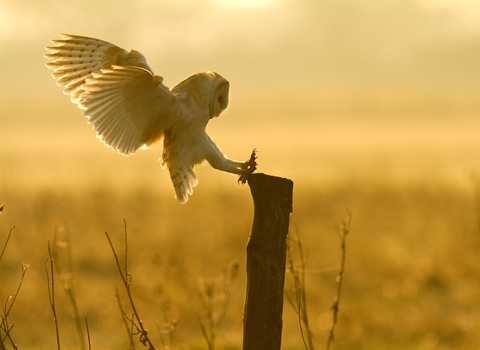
[[243, 169], [219, 162], [244, 165]]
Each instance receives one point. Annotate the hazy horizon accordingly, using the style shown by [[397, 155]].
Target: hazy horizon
[[321, 89]]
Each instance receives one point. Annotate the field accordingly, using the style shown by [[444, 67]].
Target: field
[[412, 255]]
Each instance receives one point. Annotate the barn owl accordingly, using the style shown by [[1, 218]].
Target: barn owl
[[129, 107]]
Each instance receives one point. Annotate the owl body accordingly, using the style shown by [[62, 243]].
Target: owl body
[[129, 107]]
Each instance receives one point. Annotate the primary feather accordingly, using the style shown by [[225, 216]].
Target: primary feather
[[129, 107]]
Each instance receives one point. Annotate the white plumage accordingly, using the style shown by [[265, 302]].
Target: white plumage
[[129, 107]]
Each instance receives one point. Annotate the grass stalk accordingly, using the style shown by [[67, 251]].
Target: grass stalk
[[299, 305], [4, 325], [88, 335], [6, 242], [343, 232], [62, 254], [126, 279], [51, 292], [215, 303]]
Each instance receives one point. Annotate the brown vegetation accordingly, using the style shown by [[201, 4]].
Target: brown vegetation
[[412, 264]]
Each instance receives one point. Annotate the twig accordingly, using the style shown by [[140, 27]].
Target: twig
[[132, 344], [6, 242], [126, 250], [207, 325], [343, 231], [214, 315], [231, 274], [63, 264], [12, 299], [144, 339], [166, 329], [126, 321], [9, 302], [300, 303], [88, 335], [51, 293], [7, 330], [206, 336], [6, 311]]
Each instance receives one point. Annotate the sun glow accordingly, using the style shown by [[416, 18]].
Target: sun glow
[[467, 11], [248, 3], [7, 19]]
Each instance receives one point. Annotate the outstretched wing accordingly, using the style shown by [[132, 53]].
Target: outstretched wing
[[128, 107], [125, 103], [76, 57]]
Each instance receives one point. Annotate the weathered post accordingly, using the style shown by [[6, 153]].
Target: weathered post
[[266, 261]]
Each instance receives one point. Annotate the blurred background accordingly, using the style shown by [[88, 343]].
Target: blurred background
[[369, 105], [322, 89]]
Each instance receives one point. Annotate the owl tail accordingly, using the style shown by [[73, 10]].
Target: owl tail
[[183, 179]]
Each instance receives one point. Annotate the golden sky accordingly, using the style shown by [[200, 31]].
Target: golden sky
[[266, 43], [339, 79]]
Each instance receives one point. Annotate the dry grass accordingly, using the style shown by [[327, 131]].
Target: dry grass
[[411, 283]]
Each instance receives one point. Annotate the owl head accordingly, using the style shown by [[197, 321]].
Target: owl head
[[219, 99], [209, 90]]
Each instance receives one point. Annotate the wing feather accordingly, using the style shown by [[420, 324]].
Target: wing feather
[[76, 58], [128, 107]]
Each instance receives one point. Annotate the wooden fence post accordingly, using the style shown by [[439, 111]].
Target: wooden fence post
[[266, 261]]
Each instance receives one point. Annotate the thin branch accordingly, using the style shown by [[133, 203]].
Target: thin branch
[[7, 334], [88, 335], [343, 232], [8, 238], [62, 253], [302, 303], [299, 301], [207, 325], [126, 250], [205, 334], [144, 339], [126, 321], [132, 344], [215, 303], [2, 339], [51, 293], [12, 299], [298, 274], [230, 274], [7, 308], [166, 329]]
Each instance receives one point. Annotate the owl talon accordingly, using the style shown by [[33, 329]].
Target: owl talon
[[249, 167]]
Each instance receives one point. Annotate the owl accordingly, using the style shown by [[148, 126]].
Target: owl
[[129, 107]]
